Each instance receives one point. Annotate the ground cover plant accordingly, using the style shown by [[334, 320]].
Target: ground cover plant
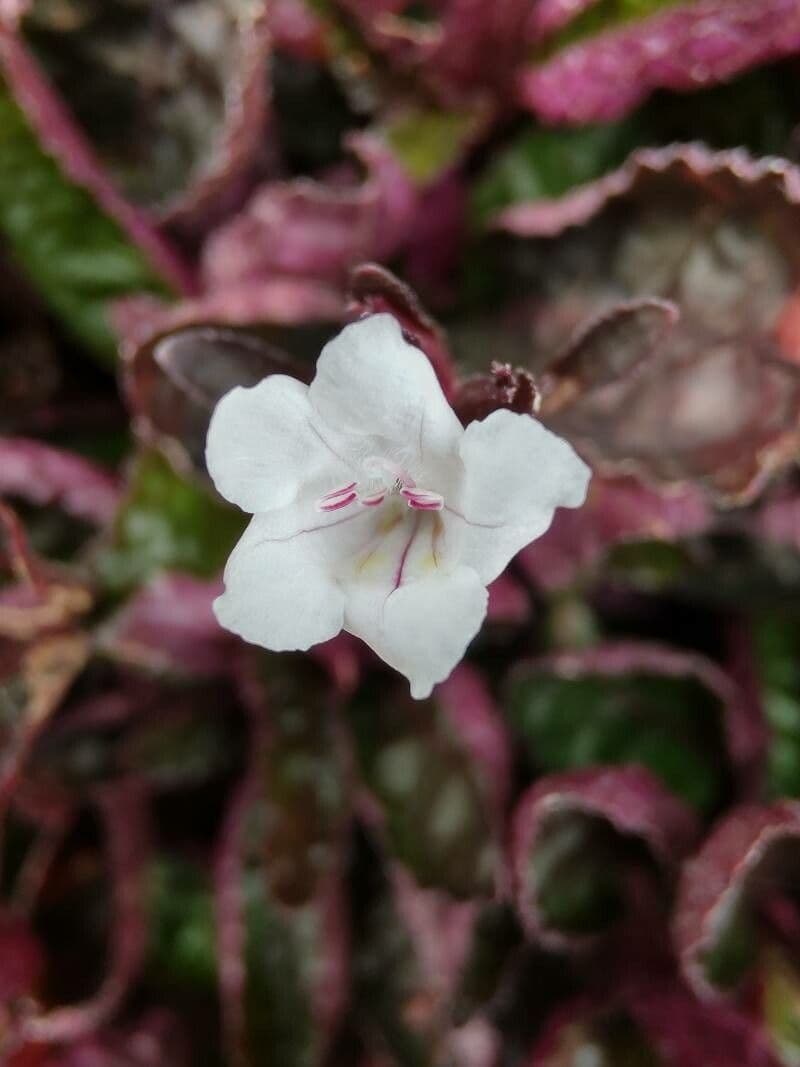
[[583, 847]]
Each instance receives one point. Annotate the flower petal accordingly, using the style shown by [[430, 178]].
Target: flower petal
[[516, 474], [371, 382], [422, 628], [279, 589], [263, 446]]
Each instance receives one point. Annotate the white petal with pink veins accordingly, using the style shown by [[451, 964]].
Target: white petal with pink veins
[[374, 510]]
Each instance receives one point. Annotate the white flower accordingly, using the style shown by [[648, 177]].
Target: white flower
[[374, 510]]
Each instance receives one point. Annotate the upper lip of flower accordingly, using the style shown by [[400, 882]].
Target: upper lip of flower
[[374, 509]]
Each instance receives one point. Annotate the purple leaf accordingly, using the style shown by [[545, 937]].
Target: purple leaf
[[685, 48], [168, 627], [617, 510], [608, 349], [125, 819], [312, 230], [652, 1022], [46, 476], [627, 801], [173, 383], [249, 929], [196, 106], [714, 404]]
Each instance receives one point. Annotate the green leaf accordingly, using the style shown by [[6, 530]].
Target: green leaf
[[304, 778], [547, 163], [281, 950], [166, 523], [670, 725], [183, 935], [781, 1001], [578, 883], [428, 141], [733, 951], [606, 15], [776, 638], [436, 815], [77, 257]]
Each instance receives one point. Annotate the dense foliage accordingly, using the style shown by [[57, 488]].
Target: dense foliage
[[585, 847]]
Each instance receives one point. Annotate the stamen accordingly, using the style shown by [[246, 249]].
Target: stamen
[[338, 498], [422, 499], [372, 500]]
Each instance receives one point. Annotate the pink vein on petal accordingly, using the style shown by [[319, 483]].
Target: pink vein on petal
[[469, 522], [309, 530]]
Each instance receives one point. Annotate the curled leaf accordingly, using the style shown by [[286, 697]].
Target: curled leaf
[[715, 930], [715, 404], [573, 836], [173, 383], [127, 850], [190, 100], [664, 708]]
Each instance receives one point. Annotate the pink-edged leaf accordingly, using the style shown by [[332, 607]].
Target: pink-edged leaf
[[40, 657], [617, 511], [157, 1038], [140, 320], [195, 106], [464, 48], [168, 626], [730, 175], [608, 349], [62, 139], [714, 404], [689, 47], [687, 1033], [124, 814], [311, 230], [571, 841], [46, 476], [164, 733], [749, 851], [255, 936], [435, 775], [652, 704], [374, 289], [176, 371], [42, 598], [426, 965], [306, 811], [658, 1024]]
